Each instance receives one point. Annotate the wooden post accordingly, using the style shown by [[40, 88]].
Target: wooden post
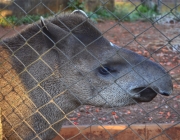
[[159, 5], [108, 4], [92, 5], [175, 5]]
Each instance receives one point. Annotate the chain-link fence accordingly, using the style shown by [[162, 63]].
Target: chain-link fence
[[67, 70]]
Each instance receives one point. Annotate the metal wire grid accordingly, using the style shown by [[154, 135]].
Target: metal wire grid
[[85, 76]]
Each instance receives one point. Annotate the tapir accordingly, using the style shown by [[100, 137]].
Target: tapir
[[58, 64]]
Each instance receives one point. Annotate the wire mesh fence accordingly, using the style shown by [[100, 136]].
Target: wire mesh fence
[[67, 70]]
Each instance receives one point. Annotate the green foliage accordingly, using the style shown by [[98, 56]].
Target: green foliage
[[13, 20], [99, 14], [3, 22], [76, 4], [144, 12], [123, 13], [104, 14]]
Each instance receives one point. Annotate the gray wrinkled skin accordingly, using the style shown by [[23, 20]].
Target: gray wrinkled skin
[[55, 66]]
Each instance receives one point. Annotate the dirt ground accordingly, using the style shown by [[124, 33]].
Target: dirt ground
[[148, 40]]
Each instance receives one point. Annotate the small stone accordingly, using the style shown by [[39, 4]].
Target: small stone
[[71, 115], [82, 109]]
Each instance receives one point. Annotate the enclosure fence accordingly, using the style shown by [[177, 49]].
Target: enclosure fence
[[43, 88]]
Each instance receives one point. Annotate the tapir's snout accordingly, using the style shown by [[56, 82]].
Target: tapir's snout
[[159, 82], [132, 77], [147, 77], [144, 94], [154, 80]]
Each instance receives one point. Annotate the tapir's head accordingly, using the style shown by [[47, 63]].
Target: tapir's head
[[96, 71]]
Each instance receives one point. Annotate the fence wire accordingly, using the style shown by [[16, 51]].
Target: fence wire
[[62, 71]]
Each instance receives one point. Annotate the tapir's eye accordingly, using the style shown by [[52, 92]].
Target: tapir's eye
[[105, 70]]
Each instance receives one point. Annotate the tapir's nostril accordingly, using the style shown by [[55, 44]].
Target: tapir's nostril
[[146, 94], [165, 93], [143, 94]]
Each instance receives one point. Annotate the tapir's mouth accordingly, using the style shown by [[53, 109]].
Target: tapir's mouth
[[142, 94]]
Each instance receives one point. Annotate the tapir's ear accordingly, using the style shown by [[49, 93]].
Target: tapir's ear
[[43, 22], [81, 12], [52, 31]]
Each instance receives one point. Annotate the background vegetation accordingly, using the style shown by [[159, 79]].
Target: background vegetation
[[123, 11]]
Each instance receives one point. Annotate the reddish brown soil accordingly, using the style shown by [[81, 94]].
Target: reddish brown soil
[[148, 40]]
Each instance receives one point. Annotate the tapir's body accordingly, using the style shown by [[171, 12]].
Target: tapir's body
[[55, 66]]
